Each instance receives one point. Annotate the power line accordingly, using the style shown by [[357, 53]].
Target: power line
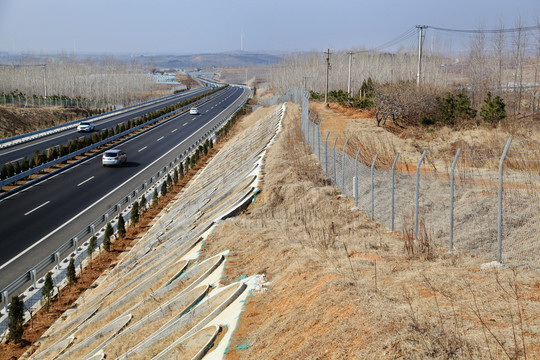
[[479, 31], [411, 32]]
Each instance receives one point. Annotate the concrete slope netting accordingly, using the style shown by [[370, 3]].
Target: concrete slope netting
[[215, 183], [159, 267]]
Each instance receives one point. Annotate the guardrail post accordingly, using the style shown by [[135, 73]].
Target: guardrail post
[[33, 277], [129, 200], [373, 188], [93, 230], [119, 209], [76, 244], [417, 195], [499, 216], [106, 218], [5, 300], [57, 259], [452, 199], [343, 168], [393, 188]]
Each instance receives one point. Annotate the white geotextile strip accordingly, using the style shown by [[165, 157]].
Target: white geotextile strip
[[175, 233]]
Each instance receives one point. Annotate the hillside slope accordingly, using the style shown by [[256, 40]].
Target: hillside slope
[[342, 287]]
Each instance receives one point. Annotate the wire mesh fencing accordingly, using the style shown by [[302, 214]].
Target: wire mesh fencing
[[484, 201]]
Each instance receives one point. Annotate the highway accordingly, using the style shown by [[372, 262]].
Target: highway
[[39, 219], [18, 152]]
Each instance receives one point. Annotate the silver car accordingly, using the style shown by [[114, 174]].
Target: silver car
[[194, 111], [115, 157], [86, 126]]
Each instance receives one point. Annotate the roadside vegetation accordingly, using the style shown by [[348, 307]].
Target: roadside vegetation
[[13, 168]]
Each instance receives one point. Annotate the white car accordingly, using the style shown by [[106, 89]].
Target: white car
[[194, 111], [86, 126], [114, 157]]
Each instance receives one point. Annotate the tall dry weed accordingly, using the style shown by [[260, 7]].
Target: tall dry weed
[[420, 246]]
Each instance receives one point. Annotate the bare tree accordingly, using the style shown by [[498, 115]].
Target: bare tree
[[519, 49], [498, 47]]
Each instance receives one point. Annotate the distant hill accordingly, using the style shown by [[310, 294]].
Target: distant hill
[[220, 60], [226, 59]]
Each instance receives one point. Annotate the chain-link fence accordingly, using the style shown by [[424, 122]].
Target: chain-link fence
[[470, 200]]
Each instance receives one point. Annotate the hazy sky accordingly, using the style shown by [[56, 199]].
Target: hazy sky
[[182, 27]]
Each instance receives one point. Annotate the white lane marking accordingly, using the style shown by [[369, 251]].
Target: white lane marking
[[101, 199], [31, 211], [86, 180], [161, 138], [174, 130], [184, 124], [142, 149]]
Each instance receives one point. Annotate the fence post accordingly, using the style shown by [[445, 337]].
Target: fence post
[[326, 154], [393, 189], [417, 195], [373, 188], [499, 217], [452, 200], [313, 135], [319, 140], [335, 174], [343, 168], [355, 179], [306, 133]]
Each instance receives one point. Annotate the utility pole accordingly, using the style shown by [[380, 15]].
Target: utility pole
[[420, 38], [305, 82], [45, 78], [350, 66], [327, 68]]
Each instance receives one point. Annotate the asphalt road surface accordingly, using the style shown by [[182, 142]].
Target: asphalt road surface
[[38, 220], [28, 149]]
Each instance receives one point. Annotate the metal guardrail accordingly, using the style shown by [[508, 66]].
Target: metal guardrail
[[5, 143], [39, 168], [102, 220]]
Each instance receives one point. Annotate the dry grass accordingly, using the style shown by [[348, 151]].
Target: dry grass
[[343, 287]]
